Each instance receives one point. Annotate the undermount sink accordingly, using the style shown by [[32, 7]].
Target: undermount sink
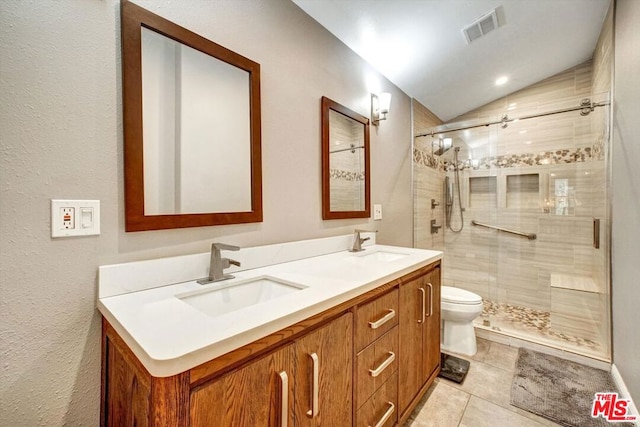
[[380, 256], [228, 297]]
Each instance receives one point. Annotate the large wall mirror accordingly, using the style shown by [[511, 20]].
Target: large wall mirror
[[345, 162], [191, 128]]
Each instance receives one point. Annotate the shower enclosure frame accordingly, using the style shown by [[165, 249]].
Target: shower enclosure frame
[[585, 108]]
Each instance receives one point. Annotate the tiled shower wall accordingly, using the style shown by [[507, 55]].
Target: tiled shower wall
[[428, 183], [515, 270]]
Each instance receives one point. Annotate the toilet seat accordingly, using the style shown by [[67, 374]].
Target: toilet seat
[[459, 296]]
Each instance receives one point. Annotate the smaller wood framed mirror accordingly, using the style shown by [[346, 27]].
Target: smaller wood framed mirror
[[345, 162]]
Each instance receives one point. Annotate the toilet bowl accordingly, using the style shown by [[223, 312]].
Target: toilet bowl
[[458, 310]]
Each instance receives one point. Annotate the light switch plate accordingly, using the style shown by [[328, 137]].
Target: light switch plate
[[75, 218], [377, 212]]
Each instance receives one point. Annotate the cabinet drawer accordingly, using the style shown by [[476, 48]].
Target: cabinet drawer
[[375, 364], [381, 410], [375, 318]]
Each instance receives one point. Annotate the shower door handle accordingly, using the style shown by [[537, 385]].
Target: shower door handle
[[596, 233], [424, 305]]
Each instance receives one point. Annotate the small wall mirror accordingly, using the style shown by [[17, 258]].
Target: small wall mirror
[[192, 128], [345, 162]]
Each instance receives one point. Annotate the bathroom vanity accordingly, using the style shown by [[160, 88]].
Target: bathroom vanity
[[356, 343]]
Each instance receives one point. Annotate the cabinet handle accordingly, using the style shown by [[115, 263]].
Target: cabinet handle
[[316, 370], [383, 366], [284, 415], [390, 315], [430, 299], [424, 304], [386, 415]]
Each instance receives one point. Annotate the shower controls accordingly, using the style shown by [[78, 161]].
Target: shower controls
[[434, 227], [434, 203]]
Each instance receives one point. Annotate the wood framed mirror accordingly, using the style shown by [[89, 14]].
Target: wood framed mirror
[[192, 137], [345, 162]]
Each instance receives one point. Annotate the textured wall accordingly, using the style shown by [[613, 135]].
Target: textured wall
[[61, 137], [626, 195]]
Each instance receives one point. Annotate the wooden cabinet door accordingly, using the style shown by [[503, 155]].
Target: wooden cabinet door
[[251, 396], [328, 350], [431, 337], [410, 320], [129, 390]]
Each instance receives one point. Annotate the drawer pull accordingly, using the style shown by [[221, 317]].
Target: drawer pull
[[430, 299], [284, 415], [384, 319], [387, 415], [316, 371], [383, 365], [424, 304]]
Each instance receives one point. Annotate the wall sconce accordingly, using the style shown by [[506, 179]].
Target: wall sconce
[[380, 107]]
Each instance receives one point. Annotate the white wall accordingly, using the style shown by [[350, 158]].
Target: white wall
[[625, 288], [61, 137]]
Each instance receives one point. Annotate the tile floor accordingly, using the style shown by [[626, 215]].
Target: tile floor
[[481, 400]]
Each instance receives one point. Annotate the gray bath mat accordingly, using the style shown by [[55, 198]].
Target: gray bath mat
[[559, 390]]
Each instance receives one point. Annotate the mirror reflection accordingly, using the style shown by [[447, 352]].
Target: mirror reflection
[[197, 138], [345, 162]]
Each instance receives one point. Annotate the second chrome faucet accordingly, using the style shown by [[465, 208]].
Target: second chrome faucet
[[358, 241], [218, 264]]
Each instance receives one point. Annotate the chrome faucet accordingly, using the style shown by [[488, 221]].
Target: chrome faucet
[[218, 264], [358, 241]]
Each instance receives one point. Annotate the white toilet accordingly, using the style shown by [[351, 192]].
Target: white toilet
[[458, 310]]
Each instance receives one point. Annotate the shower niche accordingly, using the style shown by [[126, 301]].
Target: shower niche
[[483, 191], [506, 190]]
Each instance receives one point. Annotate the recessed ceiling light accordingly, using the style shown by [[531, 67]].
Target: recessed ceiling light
[[501, 80], [523, 131], [527, 142]]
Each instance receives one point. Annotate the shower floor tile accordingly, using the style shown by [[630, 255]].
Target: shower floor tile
[[533, 325]]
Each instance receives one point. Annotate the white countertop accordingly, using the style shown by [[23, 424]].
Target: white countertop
[[170, 336]]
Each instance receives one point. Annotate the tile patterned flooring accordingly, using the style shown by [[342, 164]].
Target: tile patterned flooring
[[481, 400]]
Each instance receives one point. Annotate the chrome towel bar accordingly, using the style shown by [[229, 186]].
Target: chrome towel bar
[[530, 236]]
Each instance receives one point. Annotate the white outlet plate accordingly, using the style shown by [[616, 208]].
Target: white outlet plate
[[377, 212], [75, 218]]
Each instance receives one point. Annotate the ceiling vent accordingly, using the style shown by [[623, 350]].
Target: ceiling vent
[[481, 26]]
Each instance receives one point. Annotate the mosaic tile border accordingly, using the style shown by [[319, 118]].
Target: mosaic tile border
[[576, 155], [598, 149], [423, 158], [346, 175]]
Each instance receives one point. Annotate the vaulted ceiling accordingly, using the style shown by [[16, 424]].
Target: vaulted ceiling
[[419, 44]]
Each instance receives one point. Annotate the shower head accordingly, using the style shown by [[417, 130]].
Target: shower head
[[444, 145]]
